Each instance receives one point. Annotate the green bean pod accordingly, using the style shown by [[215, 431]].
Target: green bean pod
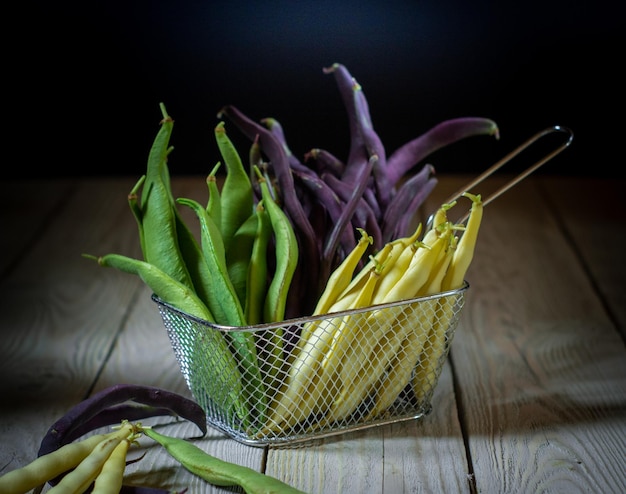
[[158, 211], [286, 255], [225, 305], [236, 194], [135, 207], [238, 258], [270, 342], [226, 381], [219, 472], [256, 281], [214, 204]]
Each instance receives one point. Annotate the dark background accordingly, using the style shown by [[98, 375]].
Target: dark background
[[83, 81]]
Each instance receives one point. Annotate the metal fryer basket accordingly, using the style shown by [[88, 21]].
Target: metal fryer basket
[[358, 368]]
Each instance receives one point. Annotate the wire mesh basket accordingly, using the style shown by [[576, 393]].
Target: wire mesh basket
[[313, 377]]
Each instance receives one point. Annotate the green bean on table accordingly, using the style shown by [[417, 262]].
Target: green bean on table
[[219, 472]]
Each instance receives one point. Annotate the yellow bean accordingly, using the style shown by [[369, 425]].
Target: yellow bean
[[49, 466], [79, 479], [111, 477]]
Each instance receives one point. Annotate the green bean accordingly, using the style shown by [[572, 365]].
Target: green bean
[[271, 341], [286, 255], [226, 304], [163, 285], [47, 467], [236, 194], [256, 283], [223, 302], [214, 204], [158, 211], [219, 472], [135, 207], [194, 261], [238, 258], [226, 382]]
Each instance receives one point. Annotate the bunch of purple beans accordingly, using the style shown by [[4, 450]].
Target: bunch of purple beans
[[327, 199]]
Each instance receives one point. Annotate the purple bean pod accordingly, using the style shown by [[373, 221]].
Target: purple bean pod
[[404, 224], [137, 489], [112, 405], [374, 146], [276, 129], [365, 214], [325, 162], [329, 260], [89, 409], [331, 203], [364, 141], [346, 84], [408, 198], [408, 155]]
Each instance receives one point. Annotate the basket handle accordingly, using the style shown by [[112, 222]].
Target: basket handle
[[507, 159]]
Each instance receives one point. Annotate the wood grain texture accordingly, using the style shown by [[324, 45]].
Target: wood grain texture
[[60, 314], [532, 398], [540, 367]]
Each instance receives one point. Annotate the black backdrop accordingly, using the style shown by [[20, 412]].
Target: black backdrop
[[83, 81]]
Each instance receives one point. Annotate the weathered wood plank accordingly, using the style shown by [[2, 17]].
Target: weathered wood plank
[[425, 455], [60, 314], [593, 213], [540, 367], [536, 374], [25, 209]]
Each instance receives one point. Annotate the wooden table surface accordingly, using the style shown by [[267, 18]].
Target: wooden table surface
[[531, 399]]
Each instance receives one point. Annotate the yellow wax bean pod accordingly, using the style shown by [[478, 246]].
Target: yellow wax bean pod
[[340, 278], [381, 344], [51, 465], [316, 362], [464, 252], [420, 320], [79, 479], [462, 257], [111, 476]]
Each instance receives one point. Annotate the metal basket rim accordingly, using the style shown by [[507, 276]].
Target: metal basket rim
[[306, 319]]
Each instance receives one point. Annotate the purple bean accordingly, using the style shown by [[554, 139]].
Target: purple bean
[[325, 162], [346, 84], [136, 489], [402, 229], [405, 203], [276, 129], [331, 203], [374, 146], [280, 165], [366, 215], [106, 402], [443, 134], [346, 216]]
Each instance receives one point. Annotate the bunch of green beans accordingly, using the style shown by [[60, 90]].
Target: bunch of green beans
[[224, 276]]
